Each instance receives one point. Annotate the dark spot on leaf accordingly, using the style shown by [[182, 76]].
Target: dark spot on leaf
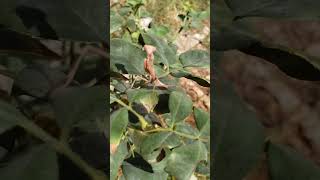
[[161, 156], [121, 67], [139, 162]]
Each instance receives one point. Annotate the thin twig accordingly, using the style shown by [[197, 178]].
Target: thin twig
[[76, 65]]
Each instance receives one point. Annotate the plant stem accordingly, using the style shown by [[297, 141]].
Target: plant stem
[[159, 130], [176, 132], [63, 149], [143, 122], [93, 173], [190, 136]]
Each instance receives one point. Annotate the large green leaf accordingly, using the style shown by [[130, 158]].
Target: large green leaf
[[36, 164], [146, 97], [119, 121], [307, 9], [84, 20], [173, 141], [116, 21], [183, 160], [286, 164], [180, 105], [132, 173], [117, 159], [203, 122], [186, 128], [73, 106], [164, 54], [154, 141], [237, 134], [135, 95], [195, 58], [126, 56], [159, 30], [233, 36]]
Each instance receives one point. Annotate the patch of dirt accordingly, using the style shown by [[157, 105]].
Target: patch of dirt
[[199, 95], [192, 39]]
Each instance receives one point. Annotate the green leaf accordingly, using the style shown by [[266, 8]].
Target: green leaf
[[154, 141], [171, 81], [203, 168], [125, 10], [10, 116], [186, 128], [38, 80], [121, 86], [285, 163], [275, 8], [119, 121], [195, 58], [33, 81], [159, 30], [83, 21], [116, 22], [180, 106], [137, 137], [117, 159], [146, 97], [221, 13], [126, 56], [135, 2], [37, 163], [131, 25], [112, 98], [235, 35], [203, 122], [74, 106], [132, 173], [183, 160], [9, 18], [164, 54], [172, 141], [238, 135], [160, 71]]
